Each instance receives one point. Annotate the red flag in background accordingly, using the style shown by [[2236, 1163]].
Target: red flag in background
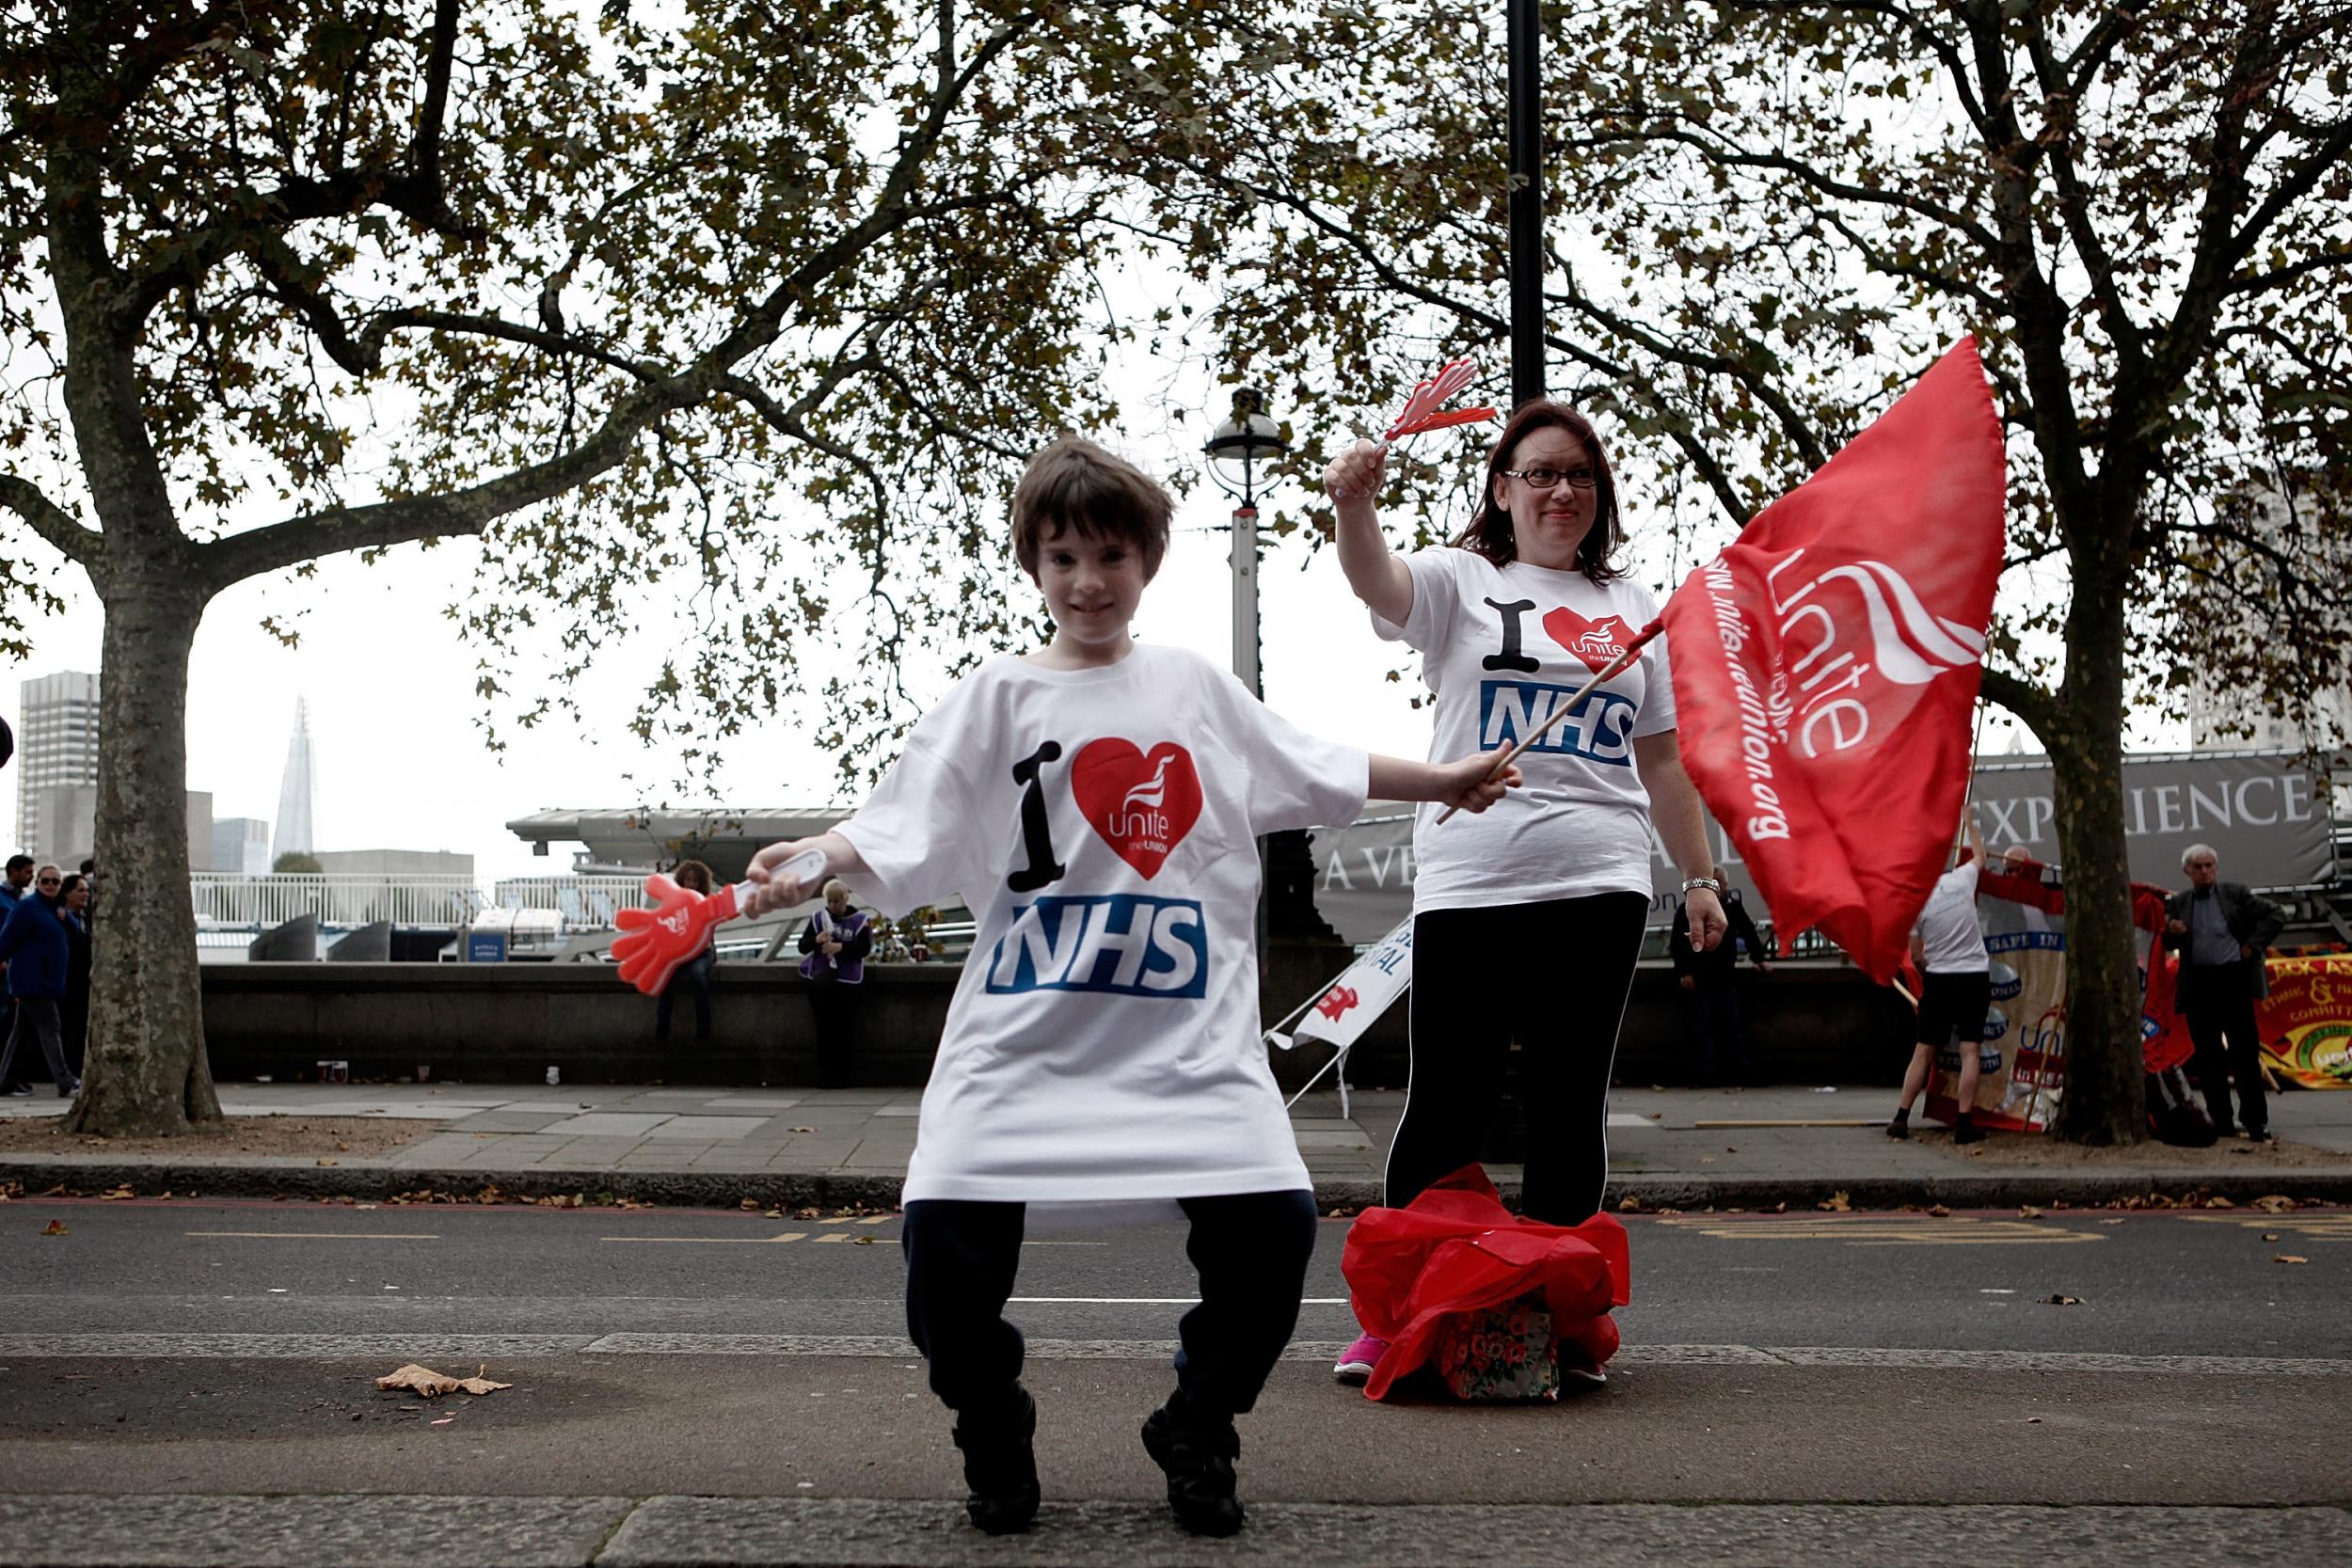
[[1825, 666]]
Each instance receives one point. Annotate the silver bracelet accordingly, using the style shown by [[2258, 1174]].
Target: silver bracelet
[[1711, 884]]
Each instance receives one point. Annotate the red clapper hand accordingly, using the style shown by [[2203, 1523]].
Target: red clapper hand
[[654, 943], [1423, 410]]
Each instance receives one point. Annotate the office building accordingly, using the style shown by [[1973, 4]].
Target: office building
[[56, 742], [241, 845]]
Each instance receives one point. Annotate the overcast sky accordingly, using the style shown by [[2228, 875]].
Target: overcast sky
[[400, 761]]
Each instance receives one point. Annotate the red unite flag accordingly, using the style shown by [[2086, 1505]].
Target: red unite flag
[[1825, 666]]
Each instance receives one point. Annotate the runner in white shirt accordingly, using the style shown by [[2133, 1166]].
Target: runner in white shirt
[[1097, 803], [1527, 921], [1955, 989]]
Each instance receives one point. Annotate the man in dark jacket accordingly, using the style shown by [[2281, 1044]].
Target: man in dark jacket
[[1710, 994], [2220, 929], [33, 945]]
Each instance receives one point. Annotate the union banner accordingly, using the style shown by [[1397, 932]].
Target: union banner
[[2306, 1022]]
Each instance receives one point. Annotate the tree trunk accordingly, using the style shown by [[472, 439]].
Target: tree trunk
[[2105, 1099], [146, 1073]]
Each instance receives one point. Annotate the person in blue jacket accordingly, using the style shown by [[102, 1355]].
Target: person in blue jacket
[[33, 945]]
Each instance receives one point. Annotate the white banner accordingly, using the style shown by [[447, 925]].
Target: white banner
[[1353, 1000]]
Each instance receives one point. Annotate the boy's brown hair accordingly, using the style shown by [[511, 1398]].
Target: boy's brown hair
[[1073, 484]]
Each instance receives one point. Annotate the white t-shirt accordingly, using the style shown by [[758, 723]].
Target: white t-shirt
[[1102, 1043], [1949, 932], [1500, 646]]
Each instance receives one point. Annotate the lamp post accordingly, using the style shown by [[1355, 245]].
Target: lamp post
[[1526, 94], [1246, 439]]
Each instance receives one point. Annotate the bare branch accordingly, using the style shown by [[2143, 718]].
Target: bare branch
[[53, 523]]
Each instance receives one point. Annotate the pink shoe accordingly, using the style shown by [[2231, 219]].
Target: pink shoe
[[1356, 1363]]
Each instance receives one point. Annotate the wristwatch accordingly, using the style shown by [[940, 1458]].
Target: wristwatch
[[1712, 884]]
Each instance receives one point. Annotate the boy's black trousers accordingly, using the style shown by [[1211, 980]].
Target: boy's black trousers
[[1250, 1250]]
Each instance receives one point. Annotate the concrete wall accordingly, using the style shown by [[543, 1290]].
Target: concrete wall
[[1813, 1023]]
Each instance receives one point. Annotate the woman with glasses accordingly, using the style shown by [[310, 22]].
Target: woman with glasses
[[1511, 617], [33, 945]]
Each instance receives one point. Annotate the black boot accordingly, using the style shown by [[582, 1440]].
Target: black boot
[[1000, 1463], [1197, 1450], [1966, 1130]]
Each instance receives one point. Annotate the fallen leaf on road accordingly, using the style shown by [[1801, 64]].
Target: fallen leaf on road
[[1707, 1158], [432, 1384], [861, 1241], [1836, 1203], [1941, 1213], [2061, 1301], [56, 1228], [1629, 1205], [2027, 1212], [749, 1203], [1731, 1149], [444, 1421], [2218, 1201], [2033, 1420], [2274, 1203], [2116, 1221], [2289, 1257], [2270, 1235], [118, 1195], [326, 1161], [804, 1130]]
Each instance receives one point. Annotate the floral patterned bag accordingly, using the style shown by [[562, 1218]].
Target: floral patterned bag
[[1500, 1353]]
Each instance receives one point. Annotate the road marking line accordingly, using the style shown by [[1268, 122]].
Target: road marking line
[[1870, 1230], [1749, 1359], [720, 1241], [321, 1235], [1148, 1300]]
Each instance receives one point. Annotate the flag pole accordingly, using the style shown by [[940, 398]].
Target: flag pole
[[1622, 662]]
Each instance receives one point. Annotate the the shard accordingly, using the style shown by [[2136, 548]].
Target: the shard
[[294, 794]]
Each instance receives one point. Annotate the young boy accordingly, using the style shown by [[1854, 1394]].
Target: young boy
[[1096, 802]]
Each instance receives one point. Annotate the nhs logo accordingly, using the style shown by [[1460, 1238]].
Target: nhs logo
[[1597, 730], [1125, 944]]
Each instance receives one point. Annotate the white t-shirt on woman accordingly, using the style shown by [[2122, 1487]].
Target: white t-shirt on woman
[[1501, 647]]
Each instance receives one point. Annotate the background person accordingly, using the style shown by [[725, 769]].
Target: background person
[[33, 945], [1956, 991], [1526, 604], [74, 1014], [2220, 929], [1711, 992], [693, 977], [836, 939]]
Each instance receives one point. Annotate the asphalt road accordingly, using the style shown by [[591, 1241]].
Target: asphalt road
[[1860, 1367], [2149, 1284]]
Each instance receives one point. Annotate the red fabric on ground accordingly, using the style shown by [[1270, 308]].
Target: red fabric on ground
[[1457, 1249]]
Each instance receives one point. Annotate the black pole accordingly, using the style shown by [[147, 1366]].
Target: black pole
[[1527, 203]]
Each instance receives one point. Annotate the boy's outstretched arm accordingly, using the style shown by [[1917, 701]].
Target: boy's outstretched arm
[[1464, 783], [773, 891]]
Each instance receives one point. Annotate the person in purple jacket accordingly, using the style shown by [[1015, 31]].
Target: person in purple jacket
[[837, 939], [33, 945]]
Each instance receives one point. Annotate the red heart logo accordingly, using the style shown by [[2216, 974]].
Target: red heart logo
[[1594, 641], [1142, 806]]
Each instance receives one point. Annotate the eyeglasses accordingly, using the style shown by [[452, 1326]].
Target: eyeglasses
[[50, 881], [1543, 479]]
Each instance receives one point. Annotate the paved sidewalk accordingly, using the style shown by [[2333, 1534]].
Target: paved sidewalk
[[1668, 1147]]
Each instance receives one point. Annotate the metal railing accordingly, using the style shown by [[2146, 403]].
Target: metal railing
[[227, 898]]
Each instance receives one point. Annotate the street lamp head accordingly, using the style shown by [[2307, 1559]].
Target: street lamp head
[[1248, 437], [1250, 434]]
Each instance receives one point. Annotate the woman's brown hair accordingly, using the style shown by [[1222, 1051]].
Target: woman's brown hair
[[696, 875], [1489, 531]]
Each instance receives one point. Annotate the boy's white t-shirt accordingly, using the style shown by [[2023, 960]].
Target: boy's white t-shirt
[[1501, 647], [1104, 1042], [1949, 932]]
